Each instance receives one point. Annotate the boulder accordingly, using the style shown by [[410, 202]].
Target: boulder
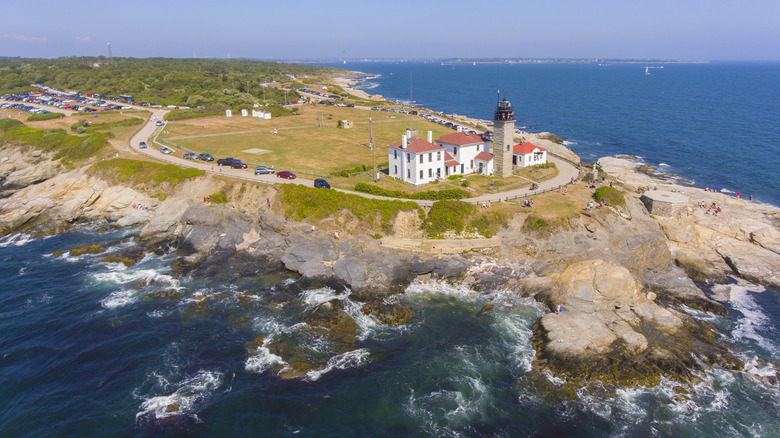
[[389, 313]]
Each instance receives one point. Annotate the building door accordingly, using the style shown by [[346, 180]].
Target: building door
[[480, 168], [461, 169]]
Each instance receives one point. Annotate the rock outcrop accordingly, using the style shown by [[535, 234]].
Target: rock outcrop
[[608, 330]]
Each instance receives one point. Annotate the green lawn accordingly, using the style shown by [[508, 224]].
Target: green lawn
[[300, 143]]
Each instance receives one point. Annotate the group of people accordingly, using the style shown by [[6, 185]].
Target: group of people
[[139, 206], [714, 209], [486, 204], [527, 203]]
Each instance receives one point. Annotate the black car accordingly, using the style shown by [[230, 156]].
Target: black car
[[320, 183], [227, 161], [205, 157]]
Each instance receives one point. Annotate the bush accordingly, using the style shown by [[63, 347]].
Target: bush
[[534, 223], [304, 202], [612, 195], [66, 147], [431, 195], [41, 117], [447, 216], [489, 223], [141, 172], [79, 127], [218, 198], [547, 165]]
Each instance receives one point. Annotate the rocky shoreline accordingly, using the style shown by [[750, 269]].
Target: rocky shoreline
[[623, 284]]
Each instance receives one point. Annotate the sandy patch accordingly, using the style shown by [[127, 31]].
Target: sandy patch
[[256, 151]]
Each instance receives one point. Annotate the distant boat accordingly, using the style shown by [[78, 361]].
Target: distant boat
[[473, 63], [345, 61], [647, 70]]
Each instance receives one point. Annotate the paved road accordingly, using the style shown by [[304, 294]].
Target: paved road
[[149, 132]]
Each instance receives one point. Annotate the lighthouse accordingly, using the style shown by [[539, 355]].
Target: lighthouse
[[503, 138]]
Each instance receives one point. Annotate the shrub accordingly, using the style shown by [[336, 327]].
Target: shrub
[[218, 198], [612, 195], [431, 195], [304, 202], [41, 117], [547, 165], [66, 147], [489, 223], [140, 172], [79, 127], [447, 216]]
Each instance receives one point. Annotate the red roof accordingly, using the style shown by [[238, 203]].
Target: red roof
[[525, 148], [449, 160], [484, 156], [418, 145], [460, 138]]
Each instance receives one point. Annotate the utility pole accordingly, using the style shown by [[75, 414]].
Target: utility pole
[[371, 144]]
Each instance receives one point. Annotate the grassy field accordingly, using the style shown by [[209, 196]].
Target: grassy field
[[300, 142]]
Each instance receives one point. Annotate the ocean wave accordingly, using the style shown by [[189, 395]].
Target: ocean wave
[[314, 297], [754, 323], [569, 143], [434, 287], [350, 359], [262, 360], [663, 165], [18, 239], [190, 397], [120, 298], [726, 191]]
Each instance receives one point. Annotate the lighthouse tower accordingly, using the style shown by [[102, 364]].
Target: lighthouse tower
[[503, 138]]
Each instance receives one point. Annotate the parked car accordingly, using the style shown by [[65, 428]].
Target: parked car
[[159, 123], [227, 161], [189, 155], [263, 170], [285, 174], [205, 157], [166, 150], [142, 145], [320, 183], [238, 165]]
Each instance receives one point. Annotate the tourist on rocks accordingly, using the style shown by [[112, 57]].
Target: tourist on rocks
[[336, 235]]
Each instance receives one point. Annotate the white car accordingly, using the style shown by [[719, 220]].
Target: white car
[[166, 150], [142, 145]]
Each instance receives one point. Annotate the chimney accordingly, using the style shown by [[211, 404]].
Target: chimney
[[460, 128], [430, 136], [403, 141]]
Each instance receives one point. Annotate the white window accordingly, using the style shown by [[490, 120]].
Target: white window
[[408, 174], [472, 164], [395, 154], [421, 159], [408, 157], [438, 156], [430, 157], [395, 172], [421, 174], [430, 173]]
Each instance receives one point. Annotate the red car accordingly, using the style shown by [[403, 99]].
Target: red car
[[238, 165], [285, 174]]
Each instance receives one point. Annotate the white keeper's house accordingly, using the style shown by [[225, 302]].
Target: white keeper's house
[[418, 161], [527, 154]]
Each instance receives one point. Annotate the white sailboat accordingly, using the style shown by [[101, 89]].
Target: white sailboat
[[647, 70]]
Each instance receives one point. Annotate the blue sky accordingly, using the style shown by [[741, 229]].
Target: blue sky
[[305, 29]]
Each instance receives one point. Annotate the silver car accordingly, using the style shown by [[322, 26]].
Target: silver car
[[263, 170]]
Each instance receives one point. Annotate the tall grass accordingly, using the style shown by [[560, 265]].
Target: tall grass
[[304, 202]]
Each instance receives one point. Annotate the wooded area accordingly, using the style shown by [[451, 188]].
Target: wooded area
[[212, 83]]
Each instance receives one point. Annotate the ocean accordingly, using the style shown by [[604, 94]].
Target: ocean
[[88, 348], [714, 124]]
